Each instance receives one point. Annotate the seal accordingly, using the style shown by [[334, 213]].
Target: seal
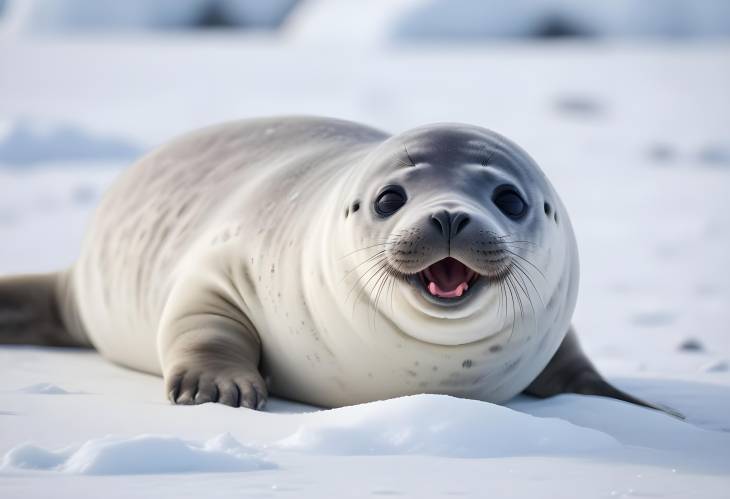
[[326, 262]]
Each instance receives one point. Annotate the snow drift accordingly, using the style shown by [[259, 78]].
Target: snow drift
[[143, 454], [439, 425]]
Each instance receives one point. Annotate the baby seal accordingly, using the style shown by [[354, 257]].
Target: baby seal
[[327, 262]]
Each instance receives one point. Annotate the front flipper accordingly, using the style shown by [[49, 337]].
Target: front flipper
[[570, 371], [208, 357]]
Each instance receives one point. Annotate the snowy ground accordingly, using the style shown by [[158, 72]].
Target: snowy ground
[[636, 138]]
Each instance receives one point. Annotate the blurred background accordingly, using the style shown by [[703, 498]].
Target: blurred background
[[625, 104]]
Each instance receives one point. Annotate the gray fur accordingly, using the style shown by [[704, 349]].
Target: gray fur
[[31, 312]]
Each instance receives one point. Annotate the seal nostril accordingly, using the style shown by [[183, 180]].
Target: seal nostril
[[458, 222], [450, 224], [441, 221]]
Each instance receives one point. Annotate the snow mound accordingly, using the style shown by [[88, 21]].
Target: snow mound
[[45, 389], [143, 454], [648, 428], [719, 366], [26, 142], [465, 19], [385, 21], [63, 16], [439, 425]]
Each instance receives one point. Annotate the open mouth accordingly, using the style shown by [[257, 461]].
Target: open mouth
[[447, 278]]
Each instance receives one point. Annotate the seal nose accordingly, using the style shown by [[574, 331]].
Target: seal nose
[[449, 223]]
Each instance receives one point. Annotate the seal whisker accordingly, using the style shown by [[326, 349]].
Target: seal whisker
[[383, 243], [516, 245], [522, 286], [503, 291], [378, 254], [521, 282], [408, 155], [512, 292], [496, 283], [379, 284], [375, 266], [526, 261], [393, 281], [526, 275], [357, 281], [502, 239], [510, 278]]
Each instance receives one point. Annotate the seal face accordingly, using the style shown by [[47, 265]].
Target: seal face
[[462, 230]]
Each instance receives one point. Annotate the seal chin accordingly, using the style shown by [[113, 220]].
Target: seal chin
[[447, 282]]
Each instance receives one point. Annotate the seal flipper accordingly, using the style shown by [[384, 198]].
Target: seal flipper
[[570, 371], [212, 358], [32, 312], [209, 349]]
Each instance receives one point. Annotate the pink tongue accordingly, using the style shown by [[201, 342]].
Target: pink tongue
[[434, 289], [447, 278]]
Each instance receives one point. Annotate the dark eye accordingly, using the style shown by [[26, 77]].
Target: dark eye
[[510, 203], [390, 200]]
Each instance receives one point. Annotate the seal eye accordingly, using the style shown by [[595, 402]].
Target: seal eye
[[510, 202], [390, 200]]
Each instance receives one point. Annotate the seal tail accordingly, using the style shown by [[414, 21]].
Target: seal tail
[[38, 309]]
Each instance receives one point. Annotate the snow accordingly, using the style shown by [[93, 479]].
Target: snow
[[143, 454], [633, 135], [40, 17], [45, 388], [455, 19], [438, 425], [113, 422], [24, 143], [429, 21]]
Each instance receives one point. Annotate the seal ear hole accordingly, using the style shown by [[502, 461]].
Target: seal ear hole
[[355, 206], [347, 212], [555, 217], [548, 209]]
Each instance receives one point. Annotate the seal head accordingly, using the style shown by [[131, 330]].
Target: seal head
[[459, 226]]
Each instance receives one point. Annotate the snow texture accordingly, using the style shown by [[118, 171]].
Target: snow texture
[[45, 389], [143, 454], [438, 425]]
